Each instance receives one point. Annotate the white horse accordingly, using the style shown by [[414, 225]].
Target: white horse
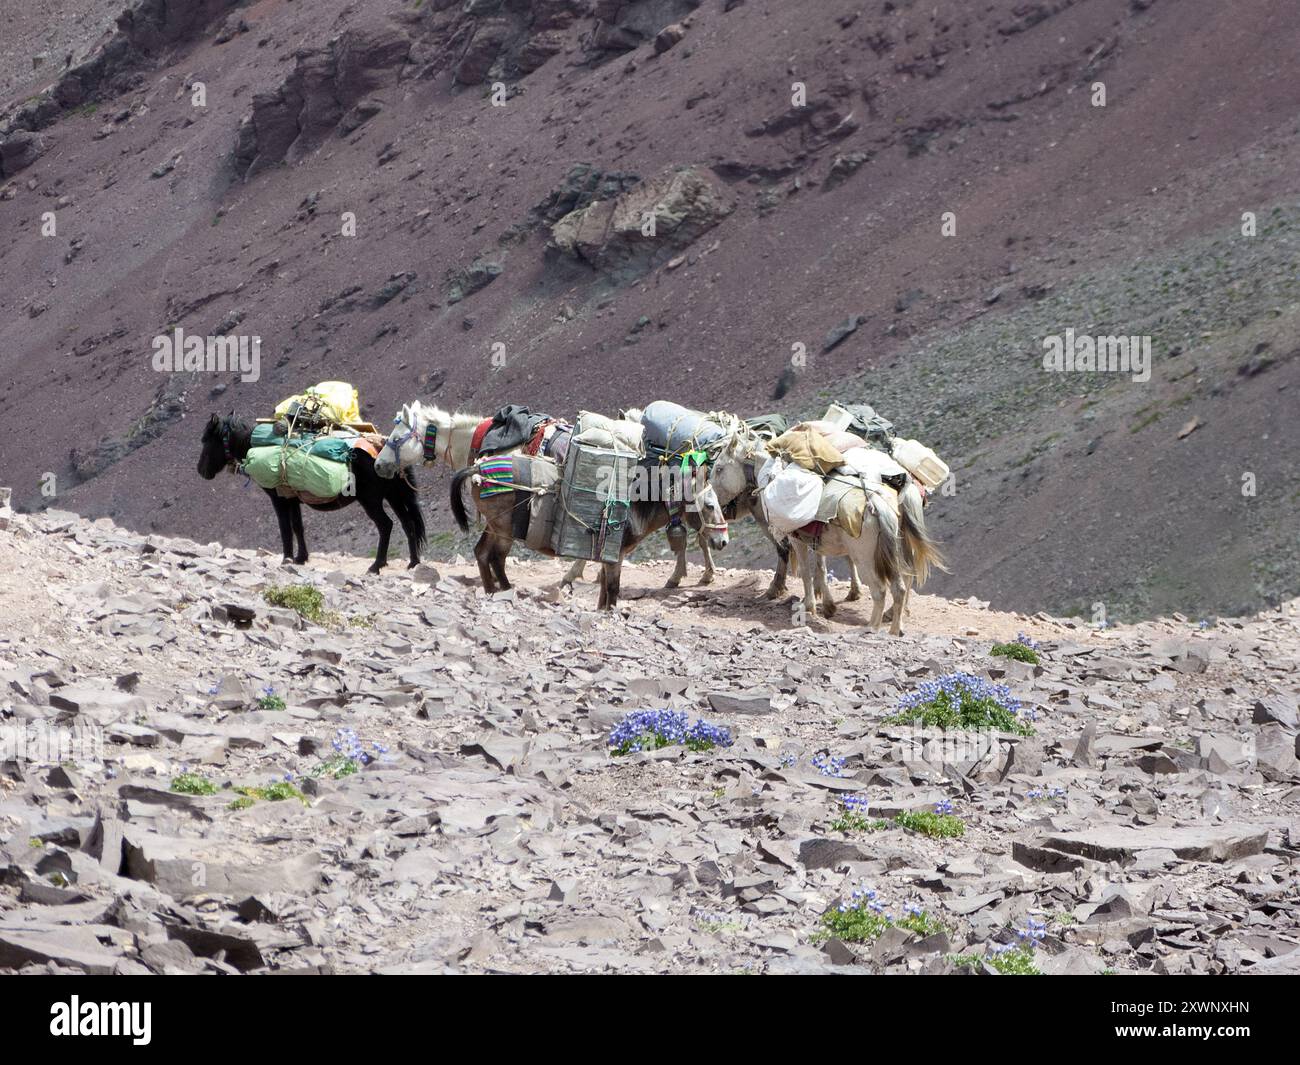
[[423, 435], [893, 549]]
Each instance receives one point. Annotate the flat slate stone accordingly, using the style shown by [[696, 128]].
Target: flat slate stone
[[740, 702], [1118, 843], [829, 853]]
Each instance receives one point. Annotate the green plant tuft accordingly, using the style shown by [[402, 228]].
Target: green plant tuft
[[1018, 961], [858, 924], [305, 599], [851, 926], [1018, 651], [193, 784], [928, 823], [277, 791], [961, 702], [923, 924], [855, 822], [336, 767]]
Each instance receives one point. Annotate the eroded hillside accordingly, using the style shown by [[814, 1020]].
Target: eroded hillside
[[204, 163]]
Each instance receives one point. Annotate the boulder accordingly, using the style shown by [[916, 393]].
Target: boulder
[[615, 234], [19, 150]]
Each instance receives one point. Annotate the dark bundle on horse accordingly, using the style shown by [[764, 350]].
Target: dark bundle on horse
[[226, 442]]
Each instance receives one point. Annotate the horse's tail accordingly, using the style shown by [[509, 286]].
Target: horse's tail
[[919, 551], [888, 547], [458, 498]]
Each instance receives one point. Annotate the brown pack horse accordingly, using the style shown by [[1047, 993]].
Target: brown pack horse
[[645, 516]]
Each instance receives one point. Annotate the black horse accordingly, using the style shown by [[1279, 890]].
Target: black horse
[[226, 442]]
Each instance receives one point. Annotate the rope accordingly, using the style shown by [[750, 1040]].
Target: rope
[[479, 479]]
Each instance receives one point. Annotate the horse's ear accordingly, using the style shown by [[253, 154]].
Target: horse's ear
[[214, 420]]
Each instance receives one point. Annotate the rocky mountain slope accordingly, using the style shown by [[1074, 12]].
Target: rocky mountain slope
[[446, 200], [174, 794]]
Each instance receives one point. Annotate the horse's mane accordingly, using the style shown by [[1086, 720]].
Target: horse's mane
[[452, 419]]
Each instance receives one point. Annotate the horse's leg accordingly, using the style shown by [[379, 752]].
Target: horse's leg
[[375, 511], [676, 533], [402, 508], [823, 589], [866, 553], [295, 515], [483, 556], [501, 545], [889, 614], [801, 551], [281, 506], [574, 572], [777, 587], [702, 540], [610, 573], [855, 589], [901, 588]]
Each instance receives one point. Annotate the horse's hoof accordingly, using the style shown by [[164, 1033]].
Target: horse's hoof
[[853, 597], [673, 582], [286, 561], [707, 579], [376, 568]]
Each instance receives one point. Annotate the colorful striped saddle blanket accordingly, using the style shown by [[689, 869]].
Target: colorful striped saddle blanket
[[497, 475]]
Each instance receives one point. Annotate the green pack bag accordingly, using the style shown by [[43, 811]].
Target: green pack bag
[[770, 425], [334, 448], [298, 469]]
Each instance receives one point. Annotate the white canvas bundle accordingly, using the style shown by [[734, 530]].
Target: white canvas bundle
[[873, 465], [791, 498], [600, 431]]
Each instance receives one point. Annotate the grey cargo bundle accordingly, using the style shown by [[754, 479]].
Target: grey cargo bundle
[[671, 430], [593, 503]]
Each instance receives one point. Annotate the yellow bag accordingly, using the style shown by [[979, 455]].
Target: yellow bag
[[338, 401]]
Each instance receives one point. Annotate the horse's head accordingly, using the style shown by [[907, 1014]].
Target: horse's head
[[703, 499], [215, 455], [728, 475], [405, 444]]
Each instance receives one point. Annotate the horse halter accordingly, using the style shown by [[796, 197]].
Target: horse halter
[[225, 442], [430, 443], [691, 460]]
